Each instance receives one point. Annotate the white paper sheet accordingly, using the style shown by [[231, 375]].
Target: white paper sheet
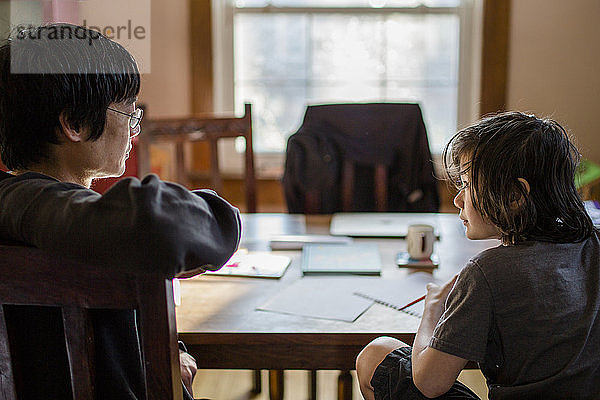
[[321, 297], [397, 293]]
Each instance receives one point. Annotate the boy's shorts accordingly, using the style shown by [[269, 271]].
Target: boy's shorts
[[392, 380]]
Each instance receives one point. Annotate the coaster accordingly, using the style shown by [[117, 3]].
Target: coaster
[[403, 260]]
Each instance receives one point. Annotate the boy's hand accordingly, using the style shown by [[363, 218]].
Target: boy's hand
[[436, 297]]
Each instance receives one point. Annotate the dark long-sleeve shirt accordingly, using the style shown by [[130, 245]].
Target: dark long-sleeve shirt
[[147, 225]]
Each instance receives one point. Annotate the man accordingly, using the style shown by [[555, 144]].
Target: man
[[67, 101]]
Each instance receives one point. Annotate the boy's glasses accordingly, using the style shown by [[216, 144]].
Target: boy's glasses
[[134, 118]]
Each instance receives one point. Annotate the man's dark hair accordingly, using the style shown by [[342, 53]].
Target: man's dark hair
[[503, 148], [54, 69]]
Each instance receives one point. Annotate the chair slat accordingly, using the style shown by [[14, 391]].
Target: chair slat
[[79, 337], [7, 386], [381, 185], [216, 180], [347, 185], [154, 310]]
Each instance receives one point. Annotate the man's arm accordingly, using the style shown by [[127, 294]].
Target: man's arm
[[434, 372], [147, 225]]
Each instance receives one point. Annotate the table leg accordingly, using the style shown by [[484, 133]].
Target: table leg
[[345, 386], [276, 384], [256, 381], [312, 385]]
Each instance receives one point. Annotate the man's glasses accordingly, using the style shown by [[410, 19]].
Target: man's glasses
[[134, 118]]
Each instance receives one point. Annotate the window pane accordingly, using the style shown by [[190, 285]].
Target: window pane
[[347, 47], [440, 108], [277, 112], [422, 48], [344, 92], [270, 47], [285, 61]]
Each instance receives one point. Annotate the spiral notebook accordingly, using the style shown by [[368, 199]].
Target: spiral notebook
[[397, 293]]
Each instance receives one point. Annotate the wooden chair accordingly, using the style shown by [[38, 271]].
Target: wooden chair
[[202, 128], [30, 276], [207, 128]]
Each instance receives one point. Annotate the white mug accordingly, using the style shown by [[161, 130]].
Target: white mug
[[420, 240]]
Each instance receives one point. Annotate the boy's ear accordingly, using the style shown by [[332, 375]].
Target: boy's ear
[[69, 131], [525, 184], [516, 197]]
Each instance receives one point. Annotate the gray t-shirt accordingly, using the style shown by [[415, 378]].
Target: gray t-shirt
[[529, 314]]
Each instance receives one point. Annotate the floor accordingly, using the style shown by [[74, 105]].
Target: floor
[[236, 385]]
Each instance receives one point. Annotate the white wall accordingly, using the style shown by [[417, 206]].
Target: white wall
[[554, 65], [166, 90]]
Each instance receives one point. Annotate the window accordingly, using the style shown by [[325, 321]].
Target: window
[[286, 54]]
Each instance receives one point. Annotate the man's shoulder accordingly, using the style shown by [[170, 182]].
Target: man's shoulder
[[33, 181], [4, 176]]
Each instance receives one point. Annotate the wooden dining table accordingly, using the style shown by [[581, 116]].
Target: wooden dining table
[[222, 328]]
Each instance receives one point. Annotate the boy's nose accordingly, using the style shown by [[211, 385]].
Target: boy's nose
[[459, 200], [135, 131]]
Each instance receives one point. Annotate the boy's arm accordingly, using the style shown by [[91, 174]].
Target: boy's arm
[[434, 372]]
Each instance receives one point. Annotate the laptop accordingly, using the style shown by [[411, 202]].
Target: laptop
[[379, 224]]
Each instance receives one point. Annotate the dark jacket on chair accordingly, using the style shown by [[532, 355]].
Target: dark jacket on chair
[[392, 134]]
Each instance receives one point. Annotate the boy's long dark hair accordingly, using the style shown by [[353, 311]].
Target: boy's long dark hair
[[54, 69], [502, 148]]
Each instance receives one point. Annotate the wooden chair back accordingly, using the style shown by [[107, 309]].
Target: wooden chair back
[[205, 128], [30, 276]]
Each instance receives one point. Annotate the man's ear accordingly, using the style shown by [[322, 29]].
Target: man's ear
[[516, 197], [69, 131]]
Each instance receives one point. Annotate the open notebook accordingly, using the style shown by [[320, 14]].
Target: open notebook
[[397, 293]]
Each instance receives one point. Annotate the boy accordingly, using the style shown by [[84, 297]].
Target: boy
[[526, 311], [67, 101]]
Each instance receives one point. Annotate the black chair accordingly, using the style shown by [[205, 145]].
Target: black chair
[[360, 157]]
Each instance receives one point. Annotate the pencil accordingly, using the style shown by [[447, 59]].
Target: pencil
[[413, 302]]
